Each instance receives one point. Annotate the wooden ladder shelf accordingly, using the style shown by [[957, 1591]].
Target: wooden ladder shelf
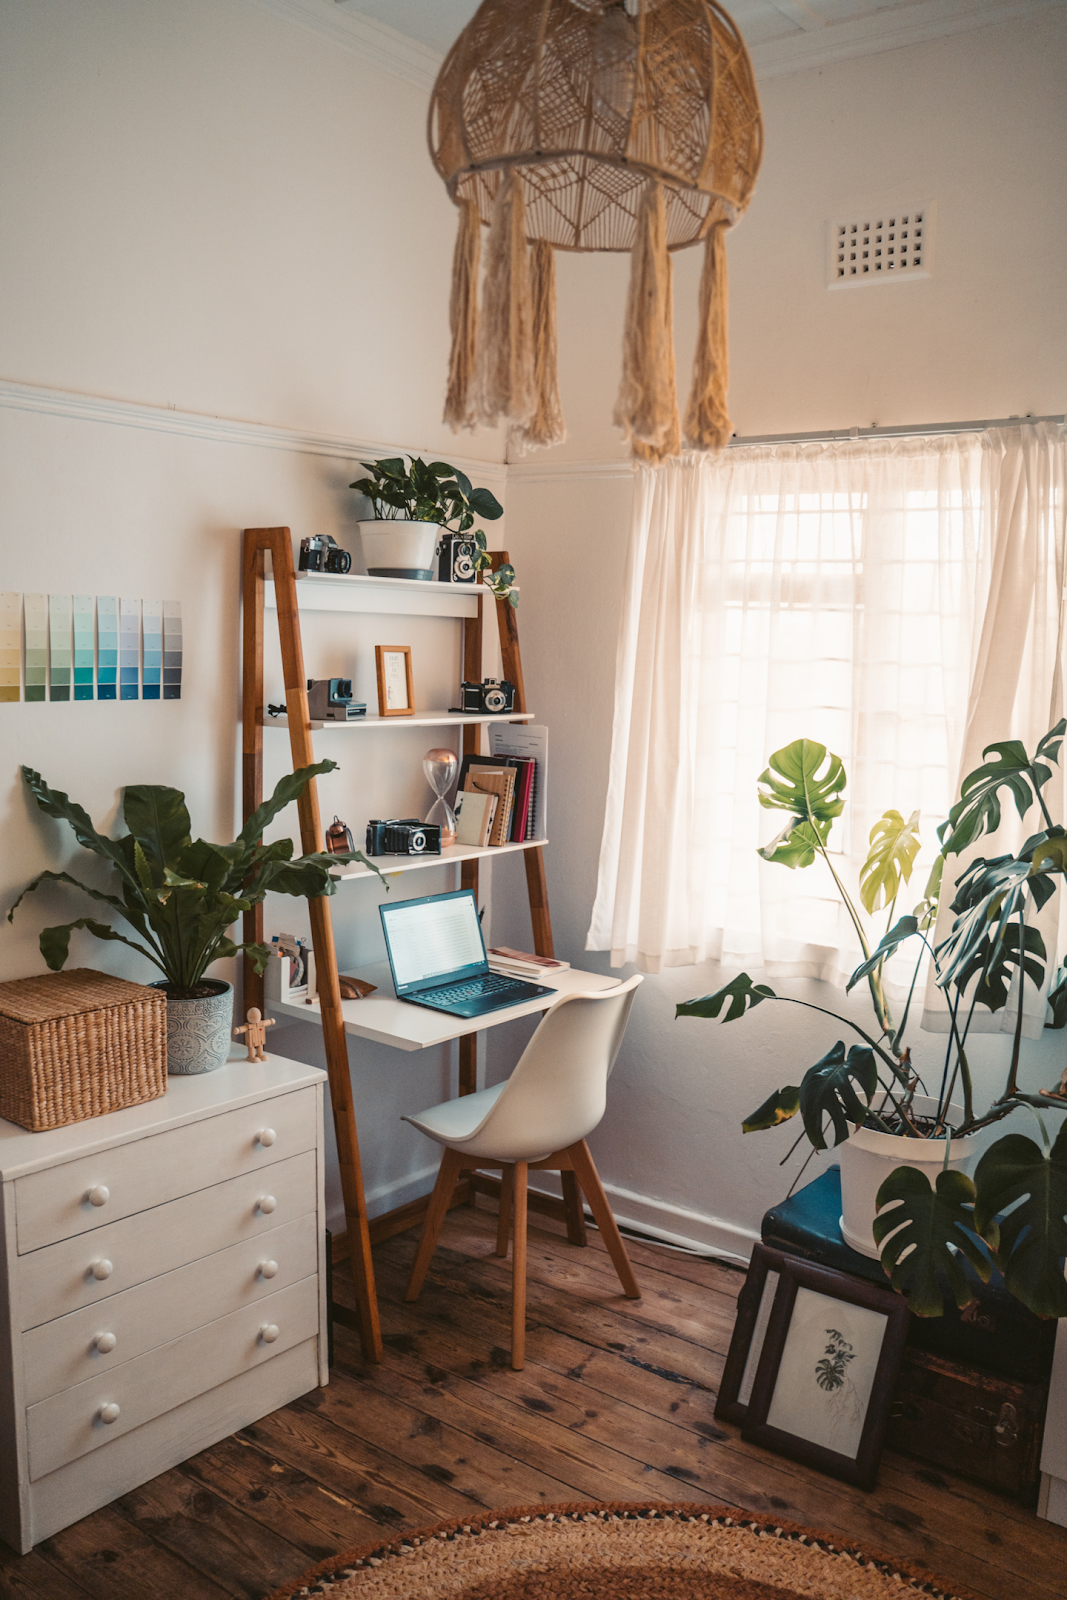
[[259, 543]]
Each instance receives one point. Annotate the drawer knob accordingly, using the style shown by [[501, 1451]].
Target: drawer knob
[[99, 1195], [101, 1269], [268, 1269], [267, 1204], [269, 1332], [105, 1343], [109, 1413], [266, 1136]]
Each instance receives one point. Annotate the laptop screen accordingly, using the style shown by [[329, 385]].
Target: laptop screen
[[434, 940]]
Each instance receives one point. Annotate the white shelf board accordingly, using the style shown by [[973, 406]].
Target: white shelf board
[[391, 866], [336, 591], [421, 719], [387, 1020]]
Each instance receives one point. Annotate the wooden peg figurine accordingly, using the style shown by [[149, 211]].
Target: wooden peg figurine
[[255, 1031], [1060, 1091]]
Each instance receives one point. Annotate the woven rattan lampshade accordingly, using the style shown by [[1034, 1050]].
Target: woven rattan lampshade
[[591, 125]]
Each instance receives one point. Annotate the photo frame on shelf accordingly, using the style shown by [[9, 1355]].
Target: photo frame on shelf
[[396, 693], [754, 1305], [829, 1362]]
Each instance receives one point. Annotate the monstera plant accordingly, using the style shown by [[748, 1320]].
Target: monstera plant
[[181, 895], [1013, 1212]]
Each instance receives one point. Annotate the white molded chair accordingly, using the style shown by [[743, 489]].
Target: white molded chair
[[537, 1121]]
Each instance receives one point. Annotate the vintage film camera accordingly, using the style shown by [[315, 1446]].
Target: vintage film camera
[[495, 694], [330, 700], [455, 559], [403, 836], [321, 553]]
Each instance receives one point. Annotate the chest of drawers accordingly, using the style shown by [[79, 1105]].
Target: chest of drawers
[[162, 1284]]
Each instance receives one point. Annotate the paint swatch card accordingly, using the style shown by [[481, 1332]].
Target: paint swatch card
[[107, 647], [152, 642], [129, 649], [10, 645], [36, 606], [60, 652], [84, 645], [172, 650]]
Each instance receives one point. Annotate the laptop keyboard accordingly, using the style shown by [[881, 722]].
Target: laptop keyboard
[[493, 983]]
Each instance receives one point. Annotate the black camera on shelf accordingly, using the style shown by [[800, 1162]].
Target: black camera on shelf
[[456, 555], [330, 700], [321, 553], [403, 836], [495, 695]]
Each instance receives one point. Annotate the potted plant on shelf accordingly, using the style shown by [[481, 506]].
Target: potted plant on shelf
[[414, 506], [180, 896], [893, 1139]]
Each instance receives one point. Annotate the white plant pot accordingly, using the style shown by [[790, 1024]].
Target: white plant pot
[[867, 1158], [400, 549]]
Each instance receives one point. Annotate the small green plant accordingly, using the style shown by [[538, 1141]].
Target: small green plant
[[435, 492], [180, 895]]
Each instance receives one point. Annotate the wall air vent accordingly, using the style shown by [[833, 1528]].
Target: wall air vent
[[879, 246]]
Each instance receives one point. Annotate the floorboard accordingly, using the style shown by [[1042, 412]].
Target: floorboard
[[616, 1403]]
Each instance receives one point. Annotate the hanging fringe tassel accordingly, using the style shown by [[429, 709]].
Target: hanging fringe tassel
[[504, 388], [546, 425], [707, 422], [463, 317], [647, 407]]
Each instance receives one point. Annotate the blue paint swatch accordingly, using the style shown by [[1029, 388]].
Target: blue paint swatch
[[130, 650], [107, 647]]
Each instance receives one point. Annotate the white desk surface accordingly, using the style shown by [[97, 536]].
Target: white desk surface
[[387, 1020]]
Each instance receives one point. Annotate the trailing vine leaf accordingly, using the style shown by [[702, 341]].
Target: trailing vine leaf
[[741, 992], [1030, 1242], [904, 928], [894, 846], [828, 1089], [977, 811], [804, 779], [928, 1225], [778, 1107]]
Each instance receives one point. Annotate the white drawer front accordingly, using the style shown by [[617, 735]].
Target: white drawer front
[[93, 1341], [71, 1424], [86, 1194], [60, 1278]]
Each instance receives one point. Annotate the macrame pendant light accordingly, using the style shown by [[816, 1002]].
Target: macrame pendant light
[[627, 125]]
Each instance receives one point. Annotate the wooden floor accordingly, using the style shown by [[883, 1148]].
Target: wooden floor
[[615, 1403]]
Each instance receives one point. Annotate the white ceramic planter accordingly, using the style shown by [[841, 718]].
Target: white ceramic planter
[[868, 1158], [199, 1030], [400, 549]]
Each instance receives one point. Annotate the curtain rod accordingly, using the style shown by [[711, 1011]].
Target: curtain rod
[[909, 431]]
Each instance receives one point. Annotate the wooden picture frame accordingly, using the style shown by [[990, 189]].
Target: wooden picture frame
[[754, 1305], [830, 1361], [396, 693]]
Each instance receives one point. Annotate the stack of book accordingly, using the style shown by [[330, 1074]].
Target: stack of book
[[521, 964], [494, 800]]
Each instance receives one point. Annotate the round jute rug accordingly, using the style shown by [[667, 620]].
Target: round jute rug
[[616, 1552]]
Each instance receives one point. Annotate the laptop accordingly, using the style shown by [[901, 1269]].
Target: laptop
[[437, 955]]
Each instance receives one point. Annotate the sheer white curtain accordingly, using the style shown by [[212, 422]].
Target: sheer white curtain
[[830, 591]]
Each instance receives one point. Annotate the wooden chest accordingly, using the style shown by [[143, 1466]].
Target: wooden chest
[[975, 1423]]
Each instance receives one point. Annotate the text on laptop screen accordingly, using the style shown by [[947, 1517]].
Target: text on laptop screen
[[431, 939]]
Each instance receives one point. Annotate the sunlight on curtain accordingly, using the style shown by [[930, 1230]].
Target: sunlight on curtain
[[833, 591]]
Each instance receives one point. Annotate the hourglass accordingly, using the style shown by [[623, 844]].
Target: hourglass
[[440, 767]]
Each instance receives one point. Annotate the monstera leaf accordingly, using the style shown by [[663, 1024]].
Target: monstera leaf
[[778, 1107], [742, 994], [894, 846], [928, 1226], [1057, 999], [828, 1089], [1030, 1243], [807, 781], [992, 899], [977, 811], [902, 930]]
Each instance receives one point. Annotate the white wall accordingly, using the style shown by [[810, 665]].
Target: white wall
[[978, 123]]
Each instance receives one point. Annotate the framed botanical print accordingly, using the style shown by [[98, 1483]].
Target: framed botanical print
[[396, 695], [754, 1305], [829, 1362]]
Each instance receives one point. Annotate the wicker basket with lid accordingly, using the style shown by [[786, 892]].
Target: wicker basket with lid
[[78, 1044]]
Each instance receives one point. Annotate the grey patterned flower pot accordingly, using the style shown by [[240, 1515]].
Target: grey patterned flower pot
[[199, 1030]]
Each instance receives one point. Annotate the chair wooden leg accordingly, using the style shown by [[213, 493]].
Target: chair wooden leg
[[572, 1209], [518, 1269], [449, 1170], [589, 1179], [503, 1226]]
